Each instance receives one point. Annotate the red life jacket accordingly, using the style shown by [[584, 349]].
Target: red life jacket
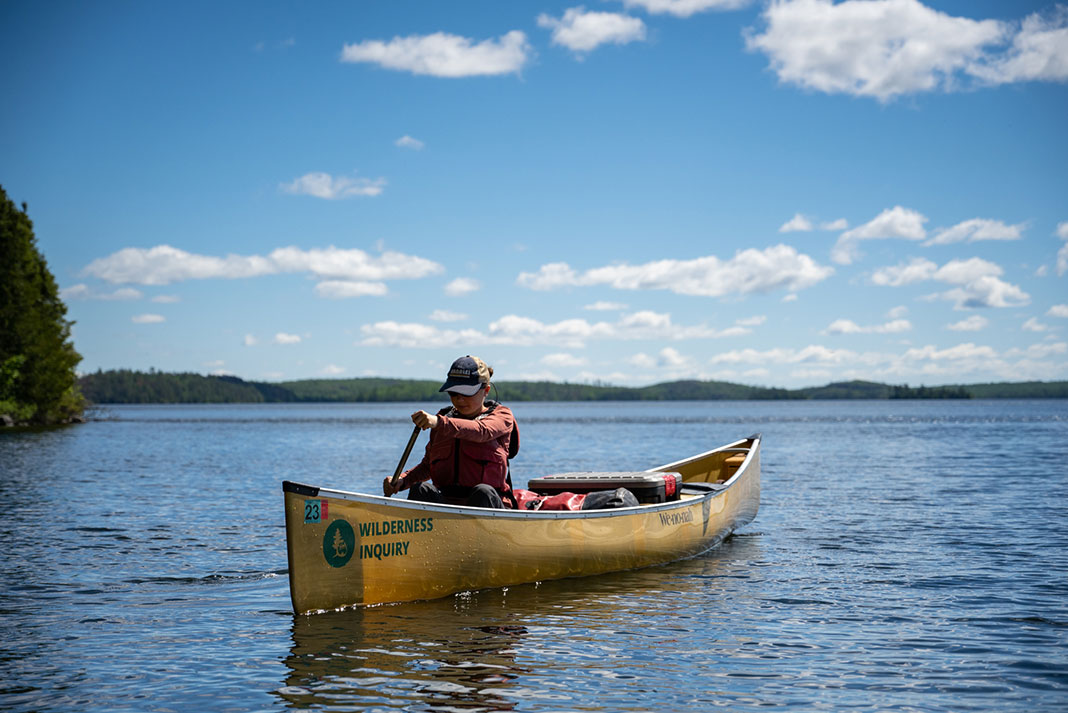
[[456, 462]]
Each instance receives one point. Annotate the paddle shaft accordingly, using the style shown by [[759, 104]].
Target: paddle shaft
[[404, 458]]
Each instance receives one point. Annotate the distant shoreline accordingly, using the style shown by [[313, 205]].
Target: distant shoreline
[[124, 386]]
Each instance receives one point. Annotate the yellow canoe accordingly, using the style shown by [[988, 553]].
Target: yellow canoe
[[347, 549]]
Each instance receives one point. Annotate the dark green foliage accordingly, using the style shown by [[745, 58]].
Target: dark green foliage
[[37, 357], [849, 390], [1020, 390], [369, 389], [929, 392], [873, 390], [126, 386], [137, 387], [269, 392]]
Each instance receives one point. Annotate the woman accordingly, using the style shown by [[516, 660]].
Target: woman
[[466, 460]]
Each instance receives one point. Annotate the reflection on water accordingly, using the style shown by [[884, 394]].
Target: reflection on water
[[436, 653], [491, 650]]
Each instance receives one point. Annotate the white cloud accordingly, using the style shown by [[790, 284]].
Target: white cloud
[[444, 55], [798, 223], [603, 306], [407, 142], [952, 364], [976, 282], [167, 299], [332, 370], [343, 289], [84, 292], [148, 319], [642, 361], [399, 334], [1014, 364], [802, 223], [1062, 254], [1033, 325], [897, 312], [542, 375], [881, 48], [444, 315], [979, 285], [1058, 311], [668, 363], [1039, 51], [896, 222], [754, 321], [462, 286], [283, 338], [582, 31], [563, 360], [353, 264], [887, 48], [250, 340], [525, 331], [550, 276], [958, 353], [684, 8], [323, 185], [673, 359], [916, 270], [749, 271], [846, 326], [812, 354], [1038, 351], [164, 264], [973, 323], [977, 229]]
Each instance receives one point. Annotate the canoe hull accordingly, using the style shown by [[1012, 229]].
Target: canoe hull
[[350, 549]]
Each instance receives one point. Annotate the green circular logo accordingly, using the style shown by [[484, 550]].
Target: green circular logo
[[339, 542]]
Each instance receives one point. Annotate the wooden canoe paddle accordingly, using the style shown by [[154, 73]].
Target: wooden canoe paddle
[[404, 458]]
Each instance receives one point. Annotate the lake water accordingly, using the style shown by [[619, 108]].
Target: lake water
[[908, 556]]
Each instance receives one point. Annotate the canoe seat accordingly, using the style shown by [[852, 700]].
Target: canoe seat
[[731, 464], [647, 487]]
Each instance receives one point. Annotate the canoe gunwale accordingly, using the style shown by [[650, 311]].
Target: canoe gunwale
[[697, 494]]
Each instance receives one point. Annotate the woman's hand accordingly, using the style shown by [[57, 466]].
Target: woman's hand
[[424, 420]]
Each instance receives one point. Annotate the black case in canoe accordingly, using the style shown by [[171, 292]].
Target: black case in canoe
[[646, 487]]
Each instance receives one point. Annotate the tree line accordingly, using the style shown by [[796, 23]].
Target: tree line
[[38, 384], [137, 387]]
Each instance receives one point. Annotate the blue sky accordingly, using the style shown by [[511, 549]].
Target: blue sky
[[776, 193]]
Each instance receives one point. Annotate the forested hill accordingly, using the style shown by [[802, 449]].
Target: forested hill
[[153, 387]]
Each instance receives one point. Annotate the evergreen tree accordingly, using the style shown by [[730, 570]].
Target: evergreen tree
[[37, 358]]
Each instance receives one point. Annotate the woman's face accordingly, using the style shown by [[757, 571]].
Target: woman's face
[[469, 406]]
